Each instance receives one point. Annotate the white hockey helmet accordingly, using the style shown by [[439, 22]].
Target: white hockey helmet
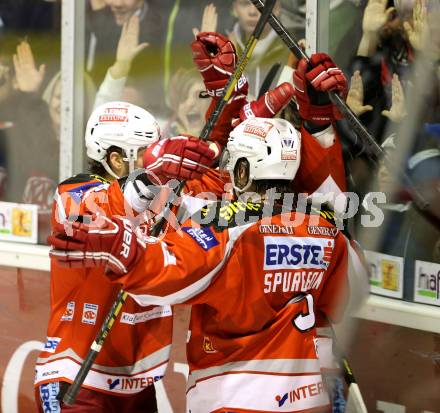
[[271, 146], [123, 125]]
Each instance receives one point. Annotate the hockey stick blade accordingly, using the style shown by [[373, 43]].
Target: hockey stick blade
[[355, 402]]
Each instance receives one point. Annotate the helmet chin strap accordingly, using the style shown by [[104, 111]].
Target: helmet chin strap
[[130, 158], [108, 169]]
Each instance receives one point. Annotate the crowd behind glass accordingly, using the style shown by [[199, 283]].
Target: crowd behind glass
[[139, 51]]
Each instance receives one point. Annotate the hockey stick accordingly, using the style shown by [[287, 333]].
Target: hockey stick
[[355, 401], [368, 141], [72, 391], [269, 79], [266, 12], [70, 396]]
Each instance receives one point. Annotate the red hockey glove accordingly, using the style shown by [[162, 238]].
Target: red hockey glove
[[268, 105], [105, 242], [215, 56], [181, 157], [312, 81]]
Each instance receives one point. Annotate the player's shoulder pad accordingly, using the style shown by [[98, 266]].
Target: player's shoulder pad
[[325, 211], [79, 184], [222, 215], [81, 179]]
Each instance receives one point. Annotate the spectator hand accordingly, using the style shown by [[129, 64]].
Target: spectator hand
[[417, 32], [375, 16], [128, 48], [397, 111], [312, 80], [355, 97], [28, 78], [180, 157], [215, 56], [209, 20]]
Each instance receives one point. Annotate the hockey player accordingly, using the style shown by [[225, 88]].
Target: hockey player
[[322, 171], [322, 166], [136, 351], [258, 278], [216, 58]]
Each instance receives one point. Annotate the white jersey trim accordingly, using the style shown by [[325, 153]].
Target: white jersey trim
[[281, 366], [258, 392], [152, 360]]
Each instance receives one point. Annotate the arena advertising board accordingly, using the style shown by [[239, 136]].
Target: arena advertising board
[[386, 274], [18, 222], [396, 367], [427, 283]]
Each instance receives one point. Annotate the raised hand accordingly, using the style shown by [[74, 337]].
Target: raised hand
[[28, 78], [312, 81], [128, 48], [180, 157], [209, 20], [355, 97], [216, 58], [417, 31], [376, 14], [397, 111]]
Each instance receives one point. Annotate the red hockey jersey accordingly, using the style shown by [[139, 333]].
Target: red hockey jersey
[[136, 351], [322, 165], [256, 291]]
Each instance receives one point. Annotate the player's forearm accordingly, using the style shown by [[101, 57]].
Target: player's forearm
[[170, 273], [179, 268]]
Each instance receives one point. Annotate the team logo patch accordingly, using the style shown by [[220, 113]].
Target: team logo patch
[[289, 150], [51, 344], [325, 231], [203, 236], [78, 192], [113, 383], [281, 400], [208, 347], [260, 129], [132, 383], [156, 312], [289, 155], [70, 311], [48, 396], [90, 313], [276, 229], [114, 115], [293, 252], [301, 393]]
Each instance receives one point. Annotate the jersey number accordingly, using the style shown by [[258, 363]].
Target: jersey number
[[304, 321]]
